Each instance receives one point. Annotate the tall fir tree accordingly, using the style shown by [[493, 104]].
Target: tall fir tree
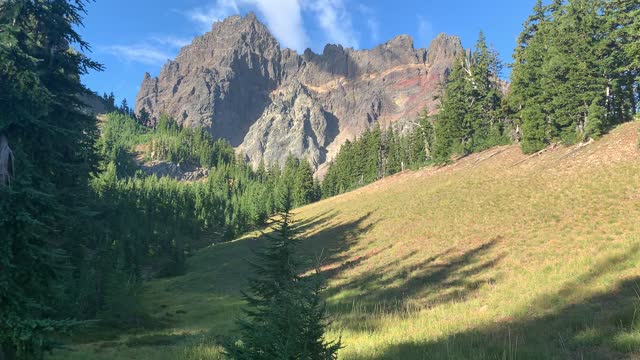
[[470, 117], [42, 210], [574, 75], [303, 184], [285, 317], [526, 98]]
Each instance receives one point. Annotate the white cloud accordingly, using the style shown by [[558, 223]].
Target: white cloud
[[283, 17], [335, 20], [172, 41], [141, 53], [373, 25], [156, 50], [425, 30], [206, 16]]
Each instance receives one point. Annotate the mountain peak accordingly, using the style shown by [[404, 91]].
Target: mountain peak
[[238, 83], [400, 41], [444, 47], [251, 16], [238, 25]]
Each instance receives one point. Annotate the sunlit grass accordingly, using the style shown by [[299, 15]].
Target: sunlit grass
[[501, 257]]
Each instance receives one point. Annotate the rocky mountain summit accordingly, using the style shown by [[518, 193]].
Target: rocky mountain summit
[[269, 102]]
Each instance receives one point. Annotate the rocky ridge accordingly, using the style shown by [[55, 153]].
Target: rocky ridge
[[270, 102]]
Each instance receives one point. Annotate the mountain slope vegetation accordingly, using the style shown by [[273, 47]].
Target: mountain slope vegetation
[[490, 252], [499, 255]]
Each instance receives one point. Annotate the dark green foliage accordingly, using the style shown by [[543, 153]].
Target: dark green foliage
[[43, 208], [471, 117], [574, 75], [141, 226], [109, 101], [376, 154], [172, 142], [421, 140], [79, 213], [298, 176], [147, 226], [450, 126], [303, 185], [122, 307], [232, 200], [285, 318], [144, 117]]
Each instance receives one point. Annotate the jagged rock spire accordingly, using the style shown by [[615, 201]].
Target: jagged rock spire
[[236, 81]]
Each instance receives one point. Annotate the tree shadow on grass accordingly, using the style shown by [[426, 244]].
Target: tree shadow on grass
[[328, 244], [603, 325], [441, 278], [162, 339], [210, 290], [224, 268]]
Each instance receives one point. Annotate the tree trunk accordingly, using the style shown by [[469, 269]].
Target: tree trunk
[[6, 162], [7, 351]]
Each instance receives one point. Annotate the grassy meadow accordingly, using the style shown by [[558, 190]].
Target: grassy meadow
[[497, 256]]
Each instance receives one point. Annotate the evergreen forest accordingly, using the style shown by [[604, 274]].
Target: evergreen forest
[[83, 226]]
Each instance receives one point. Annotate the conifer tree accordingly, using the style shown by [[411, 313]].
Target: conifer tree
[[423, 138], [527, 98], [451, 131], [41, 211], [285, 318], [330, 181], [484, 95], [394, 163], [470, 117], [574, 77], [144, 117], [303, 184]]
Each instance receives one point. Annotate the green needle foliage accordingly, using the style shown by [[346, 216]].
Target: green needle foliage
[[285, 317], [376, 154], [576, 71], [81, 225], [43, 209], [471, 117]]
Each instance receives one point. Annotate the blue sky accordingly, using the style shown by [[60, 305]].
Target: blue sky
[[137, 36]]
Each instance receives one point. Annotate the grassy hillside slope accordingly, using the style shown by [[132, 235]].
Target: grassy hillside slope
[[499, 256]]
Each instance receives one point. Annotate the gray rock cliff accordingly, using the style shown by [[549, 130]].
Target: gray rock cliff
[[269, 102]]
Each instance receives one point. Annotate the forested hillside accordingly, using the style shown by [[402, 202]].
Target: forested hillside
[[576, 71], [498, 255], [81, 225], [519, 211], [576, 74]]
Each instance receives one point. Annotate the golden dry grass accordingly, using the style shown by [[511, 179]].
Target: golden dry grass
[[498, 256]]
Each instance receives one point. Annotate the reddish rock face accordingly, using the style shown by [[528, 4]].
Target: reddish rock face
[[270, 102]]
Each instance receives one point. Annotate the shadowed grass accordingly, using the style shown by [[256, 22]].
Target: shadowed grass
[[498, 256]]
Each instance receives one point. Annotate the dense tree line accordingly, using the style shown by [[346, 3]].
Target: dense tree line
[[576, 74], [80, 225], [576, 70], [43, 208], [148, 225], [471, 118], [376, 154]]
